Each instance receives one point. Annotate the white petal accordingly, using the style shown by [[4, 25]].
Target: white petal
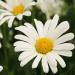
[[61, 28], [2, 15], [4, 5], [64, 53], [54, 23], [12, 3], [1, 68], [52, 63], [24, 48], [26, 31], [45, 64], [22, 43], [64, 38], [4, 11], [10, 22], [27, 13], [0, 45], [4, 19], [51, 58], [20, 16], [53, 68], [26, 60], [1, 36], [24, 55], [64, 46], [23, 38], [31, 28], [46, 27], [60, 60], [32, 3], [29, 4], [36, 61], [39, 27]]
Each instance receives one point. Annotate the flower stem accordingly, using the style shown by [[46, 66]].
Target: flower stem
[[42, 73], [5, 31]]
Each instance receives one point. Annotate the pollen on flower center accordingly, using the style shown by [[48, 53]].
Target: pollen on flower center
[[43, 45], [18, 9]]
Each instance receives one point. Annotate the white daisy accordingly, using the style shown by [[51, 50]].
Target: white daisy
[[44, 43], [14, 8], [1, 68], [50, 7]]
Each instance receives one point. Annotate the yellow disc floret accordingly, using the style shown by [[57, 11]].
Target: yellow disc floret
[[43, 45], [18, 9]]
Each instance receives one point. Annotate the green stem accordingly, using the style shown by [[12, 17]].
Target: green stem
[[42, 73], [5, 31], [33, 16]]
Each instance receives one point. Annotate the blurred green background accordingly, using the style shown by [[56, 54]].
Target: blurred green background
[[9, 58]]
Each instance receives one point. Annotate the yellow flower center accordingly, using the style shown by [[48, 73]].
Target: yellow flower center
[[43, 45], [18, 9]]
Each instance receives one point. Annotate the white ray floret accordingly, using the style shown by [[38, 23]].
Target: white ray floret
[[14, 8], [1, 68], [45, 43]]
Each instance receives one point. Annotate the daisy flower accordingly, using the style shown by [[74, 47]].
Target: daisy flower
[[46, 43], [1, 68], [14, 8], [50, 7]]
